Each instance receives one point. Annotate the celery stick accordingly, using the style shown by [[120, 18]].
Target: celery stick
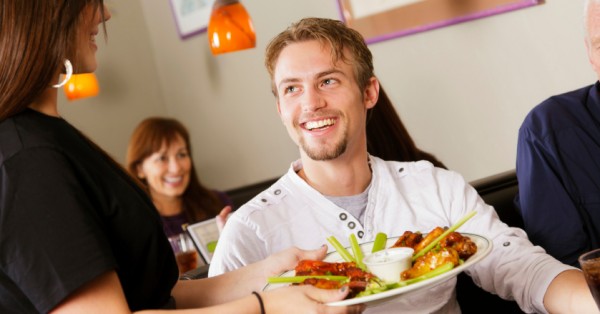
[[340, 249], [358, 254], [443, 235], [438, 271], [380, 242], [378, 289], [299, 279]]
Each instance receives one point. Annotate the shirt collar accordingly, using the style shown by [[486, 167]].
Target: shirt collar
[[593, 101]]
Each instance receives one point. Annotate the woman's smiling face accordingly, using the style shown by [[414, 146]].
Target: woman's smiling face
[[167, 171]]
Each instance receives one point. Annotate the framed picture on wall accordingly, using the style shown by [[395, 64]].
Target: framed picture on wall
[[191, 16], [379, 20]]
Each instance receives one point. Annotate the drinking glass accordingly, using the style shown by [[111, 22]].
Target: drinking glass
[[590, 264], [185, 252]]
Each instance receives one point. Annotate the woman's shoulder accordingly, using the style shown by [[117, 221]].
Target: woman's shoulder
[[32, 130]]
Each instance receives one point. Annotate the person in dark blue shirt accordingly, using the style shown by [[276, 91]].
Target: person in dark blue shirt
[[558, 164], [558, 168]]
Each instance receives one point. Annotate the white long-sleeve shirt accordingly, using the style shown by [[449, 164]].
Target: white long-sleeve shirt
[[403, 196]]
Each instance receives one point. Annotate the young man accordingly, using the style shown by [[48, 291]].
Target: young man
[[323, 80]]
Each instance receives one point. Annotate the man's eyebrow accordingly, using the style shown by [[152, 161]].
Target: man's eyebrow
[[328, 72], [288, 80], [318, 75]]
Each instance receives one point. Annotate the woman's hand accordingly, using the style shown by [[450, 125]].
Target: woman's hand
[[307, 299], [222, 217]]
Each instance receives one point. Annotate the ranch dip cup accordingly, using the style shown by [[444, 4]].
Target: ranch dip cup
[[388, 264]]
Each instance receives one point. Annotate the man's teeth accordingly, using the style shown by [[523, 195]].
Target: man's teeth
[[319, 124]]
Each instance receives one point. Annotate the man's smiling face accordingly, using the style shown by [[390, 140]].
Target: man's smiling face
[[319, 102]]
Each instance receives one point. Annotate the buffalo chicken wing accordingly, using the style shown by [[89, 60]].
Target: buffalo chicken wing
[[358, 279], [451, 248]]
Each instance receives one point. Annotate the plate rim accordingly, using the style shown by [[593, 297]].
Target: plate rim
[[481, 253]]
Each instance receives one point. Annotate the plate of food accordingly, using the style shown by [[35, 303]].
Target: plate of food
[[439, 255]]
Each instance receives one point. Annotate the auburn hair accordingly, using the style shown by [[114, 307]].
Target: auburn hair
[[199, 202]]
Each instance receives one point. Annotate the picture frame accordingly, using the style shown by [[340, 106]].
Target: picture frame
[[205, 235], [379, 20], [191, 16]]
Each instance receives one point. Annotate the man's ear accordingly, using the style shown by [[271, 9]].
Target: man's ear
[[371, 93], [587, 49]]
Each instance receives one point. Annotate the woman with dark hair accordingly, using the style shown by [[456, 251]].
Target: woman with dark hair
[[159, 154], [387, 137], [77, 233]]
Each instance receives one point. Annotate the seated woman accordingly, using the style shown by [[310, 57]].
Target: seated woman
[[159, 154]]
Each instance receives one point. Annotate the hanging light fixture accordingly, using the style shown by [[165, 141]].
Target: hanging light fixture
[[230, 27], [81, 86]]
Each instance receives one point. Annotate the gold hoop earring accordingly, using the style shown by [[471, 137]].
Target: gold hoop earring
[[68, 74]]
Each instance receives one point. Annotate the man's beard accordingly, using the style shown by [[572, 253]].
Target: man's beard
[[324, 153]]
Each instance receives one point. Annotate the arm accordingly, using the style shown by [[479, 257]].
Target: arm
[[105, 295], [240, 282], [569, 293], [545, 203]]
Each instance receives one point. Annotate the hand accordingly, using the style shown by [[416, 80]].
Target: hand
[[288, 259], [307, 299], [222, 217]]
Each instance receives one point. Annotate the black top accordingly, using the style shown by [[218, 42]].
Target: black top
[[67, 215]]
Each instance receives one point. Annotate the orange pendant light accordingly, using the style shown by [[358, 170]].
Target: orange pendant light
[[82, 86], [230, 27]]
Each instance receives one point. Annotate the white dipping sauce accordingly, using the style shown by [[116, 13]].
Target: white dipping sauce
[[390, 263]]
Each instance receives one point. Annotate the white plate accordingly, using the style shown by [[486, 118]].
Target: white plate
[[484, 246]]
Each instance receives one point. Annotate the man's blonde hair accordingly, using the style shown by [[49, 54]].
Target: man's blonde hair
[[328, 32]]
